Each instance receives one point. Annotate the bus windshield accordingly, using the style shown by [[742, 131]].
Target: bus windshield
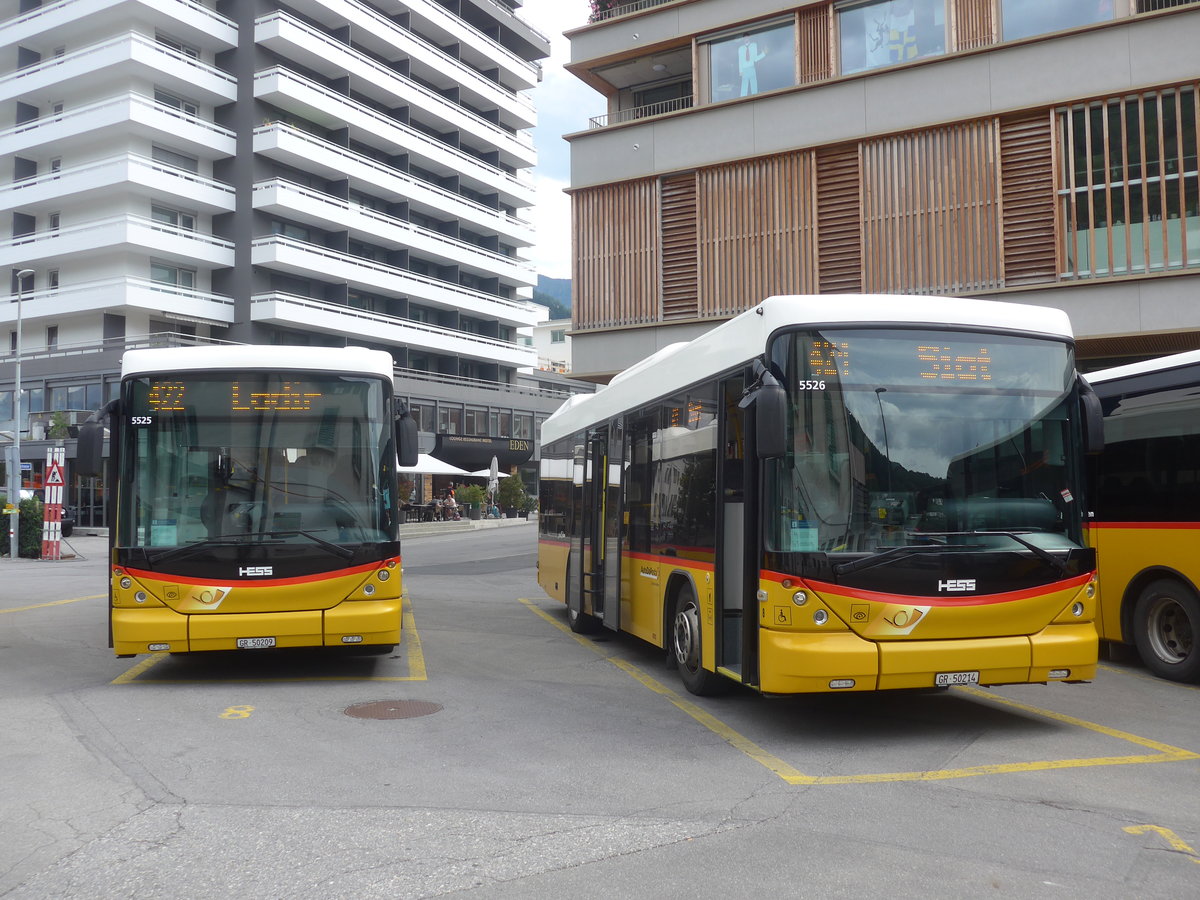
[[904, 439], [221, 459]]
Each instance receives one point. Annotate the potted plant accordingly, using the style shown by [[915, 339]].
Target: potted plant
[[511, 496], [472, 497]]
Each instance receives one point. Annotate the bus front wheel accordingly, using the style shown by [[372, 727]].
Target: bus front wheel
[[687, 647], [1166, 619]]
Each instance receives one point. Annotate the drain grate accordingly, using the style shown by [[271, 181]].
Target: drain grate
[[393, 709]]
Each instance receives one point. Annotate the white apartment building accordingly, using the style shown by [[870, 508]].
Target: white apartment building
[[313, 172]]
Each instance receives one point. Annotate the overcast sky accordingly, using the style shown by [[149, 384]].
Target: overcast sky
[[564, 104]]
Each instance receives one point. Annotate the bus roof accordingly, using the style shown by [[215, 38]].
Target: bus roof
[[248, 357], [743, 337], [1162, 363]]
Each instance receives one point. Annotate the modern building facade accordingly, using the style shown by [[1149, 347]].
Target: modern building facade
[[318, 172], [1024, 150]]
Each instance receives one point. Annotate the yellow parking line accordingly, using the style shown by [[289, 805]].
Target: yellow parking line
[[1165, 752], [52, 603], [410, 640]]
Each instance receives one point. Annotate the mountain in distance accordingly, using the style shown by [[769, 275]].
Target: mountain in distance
[[554, 293]]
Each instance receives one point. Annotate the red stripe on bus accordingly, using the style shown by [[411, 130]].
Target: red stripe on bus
[[1163, 525], [168, 578], [922, 600]]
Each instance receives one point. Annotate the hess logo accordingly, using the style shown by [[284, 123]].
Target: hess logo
[[255, 571], [957, 585]]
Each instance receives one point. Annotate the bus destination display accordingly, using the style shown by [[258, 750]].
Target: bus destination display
[[293, 396]]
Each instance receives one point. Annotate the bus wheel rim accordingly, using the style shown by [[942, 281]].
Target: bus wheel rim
[[1169, 631], [687, 636]]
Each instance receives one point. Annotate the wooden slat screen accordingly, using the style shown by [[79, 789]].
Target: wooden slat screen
[[756, 232], [931, 211], [1028, 193], [678, 253], [974, 24], [816, 30], [839, 220], [615, 267]]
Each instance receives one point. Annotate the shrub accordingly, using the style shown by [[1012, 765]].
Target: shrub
[[469, 495]]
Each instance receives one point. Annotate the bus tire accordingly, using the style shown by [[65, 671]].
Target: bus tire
[[687, 648], [579, 621], [1166, 619]]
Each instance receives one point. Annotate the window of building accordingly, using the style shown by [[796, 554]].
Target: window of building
[[56, 165], [34, 399], [745, 63], [476, 421], [52, 279], [177, 276], [56, 108], [289, 230], [174, 217], [51, 337], [176, 159], [450, 419], [53, 220], [164, 98], [523, 425], [178, 46], [1022, 18], [888, 32], [1131, 194], [558, 336]]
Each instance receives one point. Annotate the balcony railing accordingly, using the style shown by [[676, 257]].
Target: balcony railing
[[609, 9], [640, 112]]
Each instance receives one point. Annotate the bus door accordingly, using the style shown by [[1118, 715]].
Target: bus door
[[736, 571], [600, 556]]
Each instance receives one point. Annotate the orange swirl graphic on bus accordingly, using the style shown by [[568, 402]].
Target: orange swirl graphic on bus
[[902, 620]]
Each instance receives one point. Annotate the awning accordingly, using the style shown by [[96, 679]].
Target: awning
[[427, 465], [475, 452]]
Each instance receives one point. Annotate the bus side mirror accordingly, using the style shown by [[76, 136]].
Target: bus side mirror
[[89, 451], [1093, 419], [770, 417], [406, 439]]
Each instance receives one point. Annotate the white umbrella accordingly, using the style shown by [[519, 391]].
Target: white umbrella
[[493, 479]]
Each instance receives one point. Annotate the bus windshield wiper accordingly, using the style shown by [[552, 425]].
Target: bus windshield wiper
[[185, 550], [1040, 552], [336, 549], [881, 556]]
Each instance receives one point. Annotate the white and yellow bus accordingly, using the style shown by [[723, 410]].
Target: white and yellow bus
[[835, 493], [1145, 500], [255, 499]]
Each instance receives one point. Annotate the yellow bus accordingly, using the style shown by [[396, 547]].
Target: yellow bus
[[834, 493], [1145, 501], [255, 499]]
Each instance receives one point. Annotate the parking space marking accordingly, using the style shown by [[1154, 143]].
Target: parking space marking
[[410, 644], [788, 773], [1177, 843], [17, 609]]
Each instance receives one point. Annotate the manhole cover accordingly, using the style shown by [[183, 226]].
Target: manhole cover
[[393, 709]]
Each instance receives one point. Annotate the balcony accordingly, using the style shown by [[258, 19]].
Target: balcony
[[118, 61], [641, 112], [305, 151], [444, 28], [314, 261], [117, 176], [122, 294], [69, 22], [290, 311], [318, 52], [298, 95], [385, 38], [117, 119], [611, 9], [327, 212], [117, 234]]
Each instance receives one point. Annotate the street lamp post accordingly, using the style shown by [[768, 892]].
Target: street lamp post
[[14, 495]]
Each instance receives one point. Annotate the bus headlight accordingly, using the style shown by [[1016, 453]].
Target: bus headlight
[[820, 617], [1077, 609], [368, 589], [800, 598], [126, 583], [384, 574], [140, 596], [1091, 589]]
